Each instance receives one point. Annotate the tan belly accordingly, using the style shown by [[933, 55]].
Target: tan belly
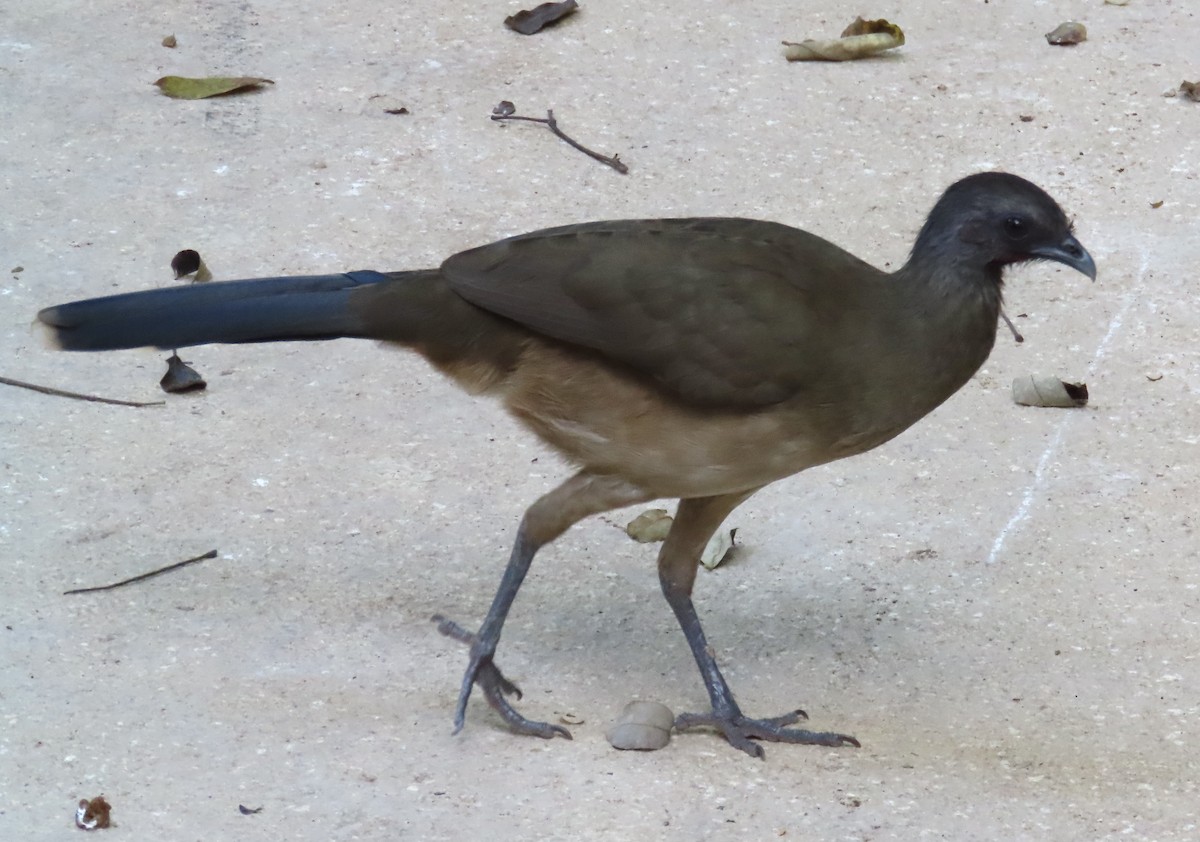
[[610, 423]]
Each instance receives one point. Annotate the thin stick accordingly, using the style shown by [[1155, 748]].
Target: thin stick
[[159, 571], [1016, 334], [47, 390], [549, 122]]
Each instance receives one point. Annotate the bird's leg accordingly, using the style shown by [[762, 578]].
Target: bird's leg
[[552, 514], [695, 522]]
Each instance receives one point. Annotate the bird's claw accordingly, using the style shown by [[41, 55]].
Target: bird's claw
[[482, 671], [743, 732]]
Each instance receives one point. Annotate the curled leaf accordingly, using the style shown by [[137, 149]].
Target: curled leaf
[[861, 39], [718, 548], [529, 21], [1067, 34], [651, 525], [96, 813], [185, 262], [1049, 391], [183, 87], [181, 377]]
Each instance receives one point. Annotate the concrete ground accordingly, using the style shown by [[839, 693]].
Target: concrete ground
[[1002, 604]]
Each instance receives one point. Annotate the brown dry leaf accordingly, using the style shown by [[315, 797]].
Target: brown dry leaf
[[650, 526], [1067, 34], [93, 814], [861, 39], [529, 21], [184, 87], [1190, 90], [1156, 205], [170, 42]]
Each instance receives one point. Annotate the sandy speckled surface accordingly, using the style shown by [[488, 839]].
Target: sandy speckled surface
[[1002, 604]]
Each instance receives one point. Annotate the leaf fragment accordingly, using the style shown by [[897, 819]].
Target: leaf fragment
[[170, 42], [529, 21], [718, 548], [181, 377], [184, 87], [93, 814], [650, 526], [861, 39], [1190, 90]]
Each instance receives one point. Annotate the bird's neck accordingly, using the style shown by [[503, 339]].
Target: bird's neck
[[954, 308]]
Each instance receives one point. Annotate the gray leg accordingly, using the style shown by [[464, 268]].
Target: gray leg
[[695, 522]]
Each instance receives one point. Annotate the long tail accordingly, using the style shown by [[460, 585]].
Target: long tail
[[260, 310]]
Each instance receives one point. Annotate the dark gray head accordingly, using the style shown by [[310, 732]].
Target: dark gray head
[[990, 220]]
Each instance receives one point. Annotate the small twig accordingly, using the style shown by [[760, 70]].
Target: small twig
[[499, 113], [1016, 334], [159, 571], [47, 390]]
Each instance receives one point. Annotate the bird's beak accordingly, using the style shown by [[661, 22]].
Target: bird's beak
[[1069, 253]]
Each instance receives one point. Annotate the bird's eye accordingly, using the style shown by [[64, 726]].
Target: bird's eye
[[1015, 227]]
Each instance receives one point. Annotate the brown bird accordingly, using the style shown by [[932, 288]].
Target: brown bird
[[699, 359]]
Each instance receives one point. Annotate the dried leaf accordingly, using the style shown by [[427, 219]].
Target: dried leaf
[[1049, 391], [718, 548], [529, 21], [170, 42], [1067, 34], [651, 525], [189, 262], [861, 39], [185, 262], [181, 377], [183, 87], [1116, 2], [1156, 205], [1190, 90], [90, 815]]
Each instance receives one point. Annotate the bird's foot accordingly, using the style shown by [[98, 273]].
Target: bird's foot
[[742, 732], [482, 671]]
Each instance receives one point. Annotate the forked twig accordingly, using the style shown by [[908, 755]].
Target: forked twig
[[504, 111]]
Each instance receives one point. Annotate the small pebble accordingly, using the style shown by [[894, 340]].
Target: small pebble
[[642, 726]]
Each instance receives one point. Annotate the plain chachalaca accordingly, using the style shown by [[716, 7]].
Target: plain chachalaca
[[699, 359]]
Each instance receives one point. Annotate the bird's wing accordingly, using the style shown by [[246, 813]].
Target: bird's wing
[[726, 313]]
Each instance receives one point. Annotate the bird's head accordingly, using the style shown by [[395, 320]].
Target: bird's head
[[990, 220]]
